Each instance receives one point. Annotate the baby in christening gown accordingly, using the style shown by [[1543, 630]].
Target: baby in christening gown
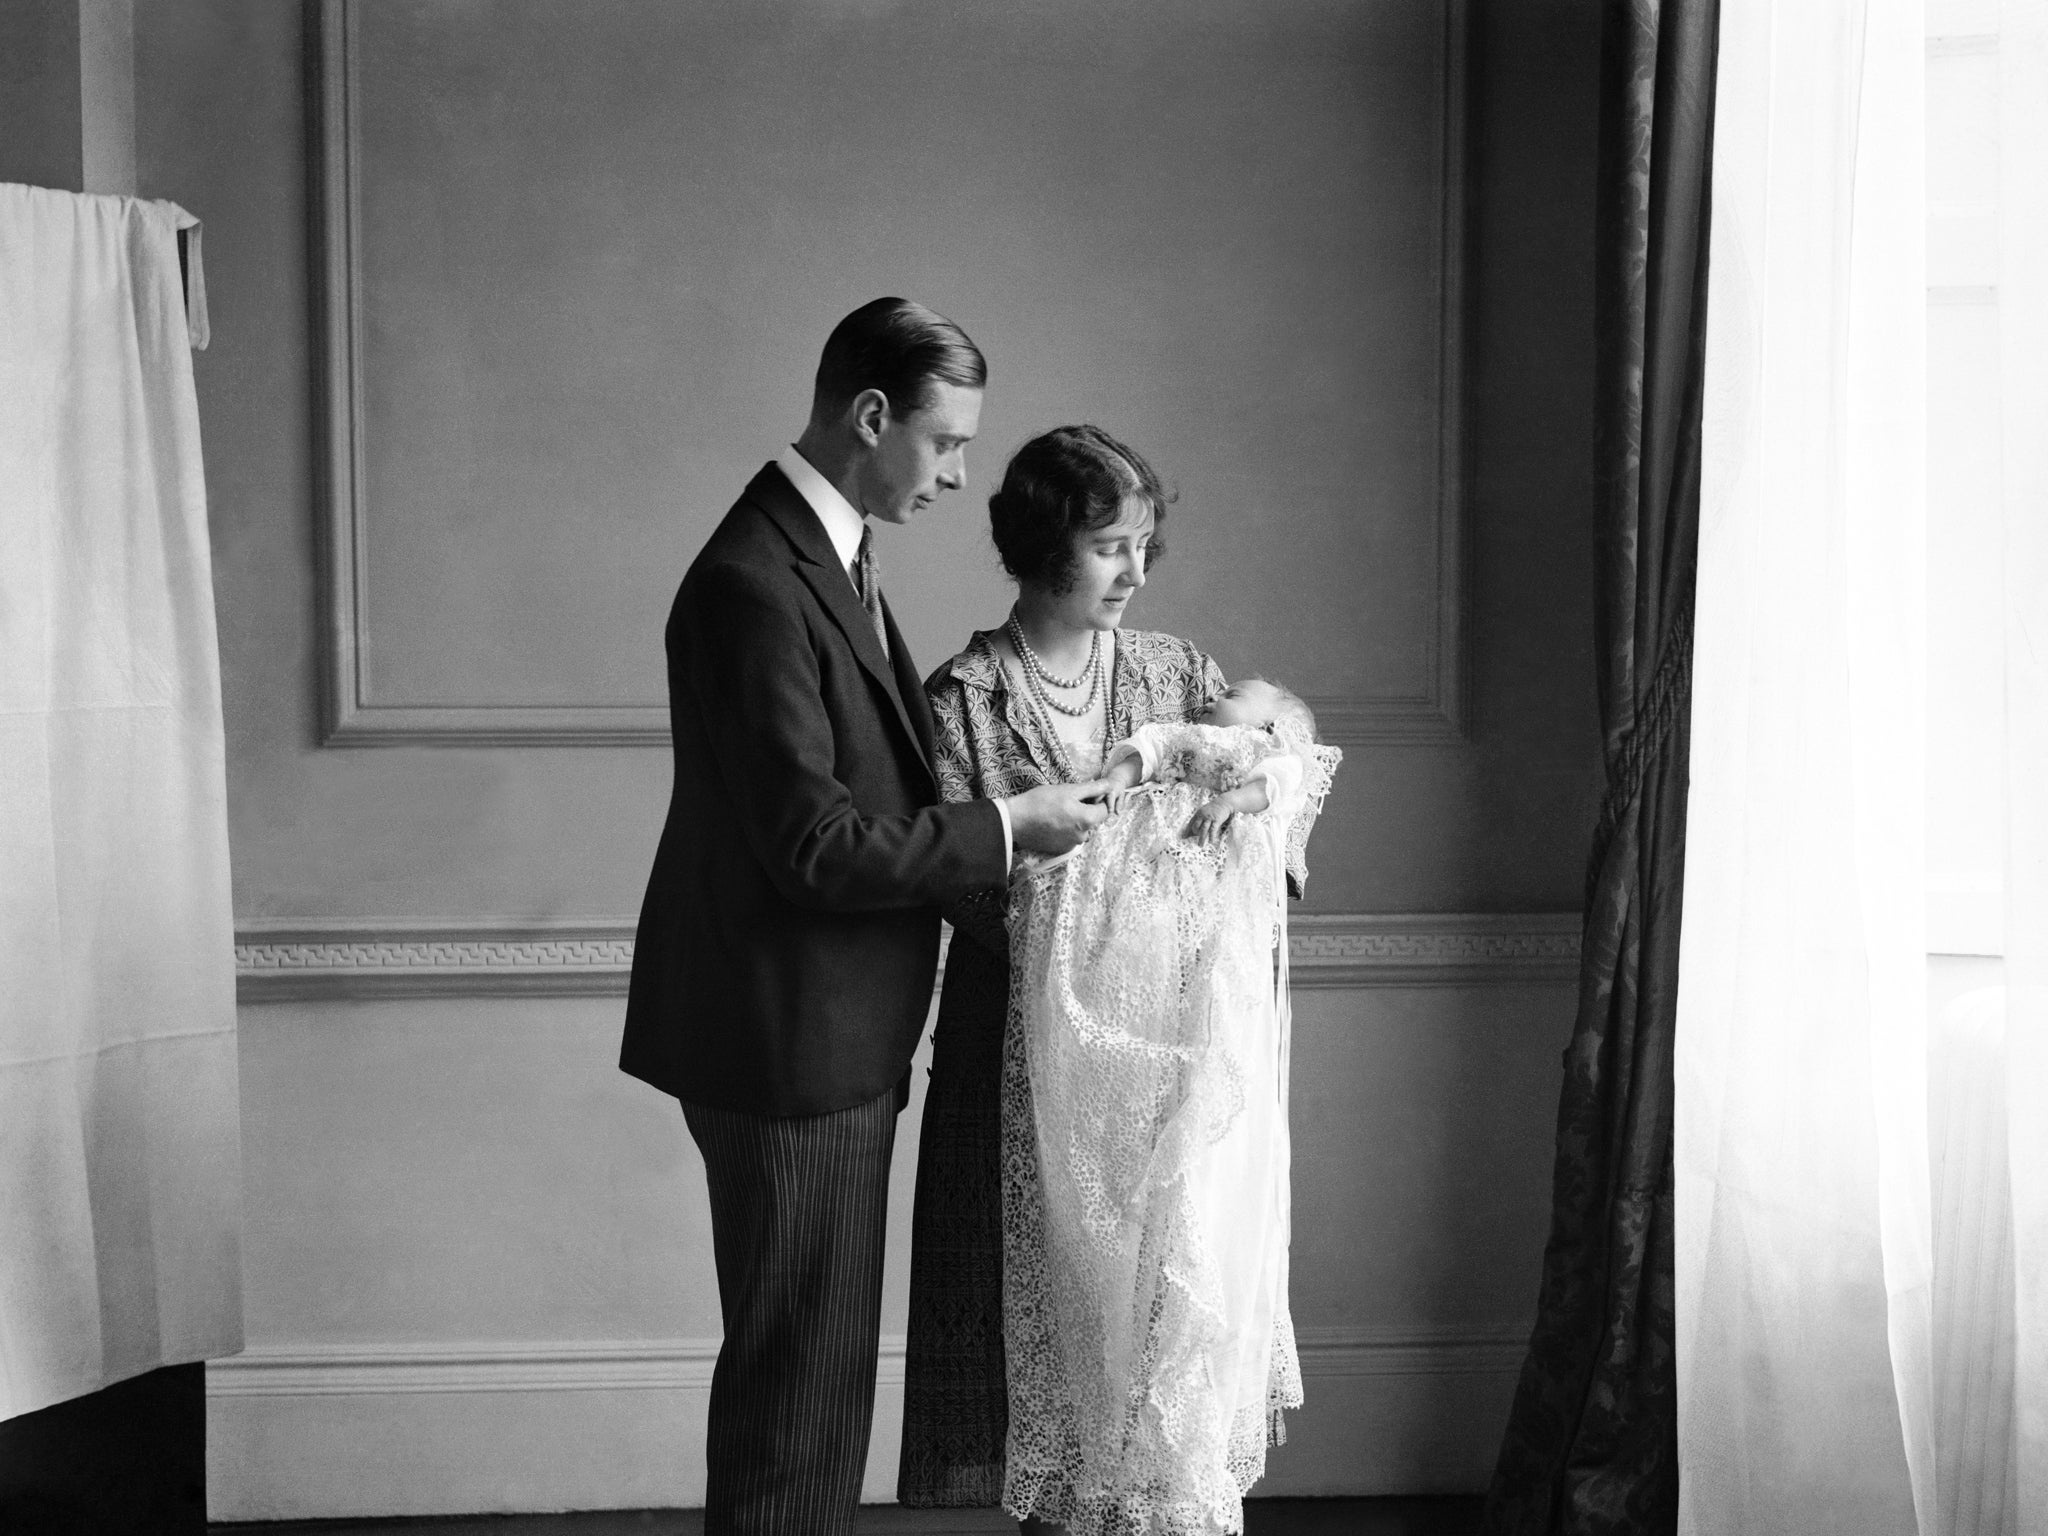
[[1145, 1146]]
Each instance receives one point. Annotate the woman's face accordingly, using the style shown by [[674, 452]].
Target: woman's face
[[1109, 567]]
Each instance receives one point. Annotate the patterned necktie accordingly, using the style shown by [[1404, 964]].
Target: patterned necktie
[[867, 580]]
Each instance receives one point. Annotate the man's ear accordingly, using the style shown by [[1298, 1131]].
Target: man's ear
[[869, 413]]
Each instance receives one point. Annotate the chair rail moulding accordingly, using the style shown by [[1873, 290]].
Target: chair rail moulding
[[1434, 715], [371, 958]]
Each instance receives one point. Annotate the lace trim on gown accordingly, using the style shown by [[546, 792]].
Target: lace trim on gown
[[1144, 1162], [955, 1419]]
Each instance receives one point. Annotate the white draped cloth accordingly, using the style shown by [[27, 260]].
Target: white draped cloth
[[1149, 1349], [120, 1180], [1802, 1237]]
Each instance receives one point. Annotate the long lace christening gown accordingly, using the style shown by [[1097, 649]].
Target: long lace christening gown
[[1145, 1152]]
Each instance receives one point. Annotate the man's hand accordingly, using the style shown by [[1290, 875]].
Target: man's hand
[[1055, 817]]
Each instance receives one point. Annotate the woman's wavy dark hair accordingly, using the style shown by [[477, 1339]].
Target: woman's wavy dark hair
[[1058, 486]]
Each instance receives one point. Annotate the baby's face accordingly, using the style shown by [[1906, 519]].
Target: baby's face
[[1254, 702]]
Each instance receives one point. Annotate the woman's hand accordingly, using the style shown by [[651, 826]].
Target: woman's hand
[[1209, 822]]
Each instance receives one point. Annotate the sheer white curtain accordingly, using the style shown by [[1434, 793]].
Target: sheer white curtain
[[1803, 1235], [2023, 486], [1988, 310], [120, 1186]]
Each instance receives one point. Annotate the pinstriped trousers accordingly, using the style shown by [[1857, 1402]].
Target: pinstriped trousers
[[799, 1207]]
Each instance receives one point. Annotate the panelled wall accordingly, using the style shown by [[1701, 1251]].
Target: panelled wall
[[509, 299]]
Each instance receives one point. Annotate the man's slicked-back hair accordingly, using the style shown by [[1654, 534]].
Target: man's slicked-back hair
[[901, 349]]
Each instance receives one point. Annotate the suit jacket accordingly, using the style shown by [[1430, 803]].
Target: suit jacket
[[790, 932]]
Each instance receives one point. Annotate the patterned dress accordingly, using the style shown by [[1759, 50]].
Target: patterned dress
[[990, 744]]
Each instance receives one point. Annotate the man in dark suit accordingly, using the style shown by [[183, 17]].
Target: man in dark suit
[[790, 932]]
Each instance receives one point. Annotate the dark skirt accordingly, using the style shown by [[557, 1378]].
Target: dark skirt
[[955, 1403]]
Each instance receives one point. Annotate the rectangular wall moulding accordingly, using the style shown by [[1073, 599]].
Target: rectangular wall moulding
[[473, 593]]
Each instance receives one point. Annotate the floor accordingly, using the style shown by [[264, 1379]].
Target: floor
[[1263, 1517]]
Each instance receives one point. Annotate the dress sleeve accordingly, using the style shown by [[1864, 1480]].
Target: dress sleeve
[[1211, 680], [952, 752], [980, 914]]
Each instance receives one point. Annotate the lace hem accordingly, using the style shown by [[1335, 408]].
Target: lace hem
[[1144, 1180]]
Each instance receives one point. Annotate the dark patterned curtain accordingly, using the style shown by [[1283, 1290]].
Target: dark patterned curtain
[[1592, 1442]]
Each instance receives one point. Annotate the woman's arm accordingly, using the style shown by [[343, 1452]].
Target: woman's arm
[[982, 914]]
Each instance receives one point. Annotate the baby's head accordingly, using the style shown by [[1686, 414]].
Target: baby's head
[[1256, 702]]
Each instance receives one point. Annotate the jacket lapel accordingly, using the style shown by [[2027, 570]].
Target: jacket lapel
[[909, 686], [818, 565]]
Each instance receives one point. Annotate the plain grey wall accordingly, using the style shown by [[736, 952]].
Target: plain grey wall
[[41, 94], [1496, 823]]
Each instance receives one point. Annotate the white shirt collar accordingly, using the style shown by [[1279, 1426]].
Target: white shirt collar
[[843, 525]]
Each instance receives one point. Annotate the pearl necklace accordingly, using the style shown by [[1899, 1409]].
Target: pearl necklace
[[1032, 663], [1037, 675]]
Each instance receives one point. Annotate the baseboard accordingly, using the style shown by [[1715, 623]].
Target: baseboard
[[415, 1429]]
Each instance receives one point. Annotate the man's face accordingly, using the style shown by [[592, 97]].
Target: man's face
[[919, 455]]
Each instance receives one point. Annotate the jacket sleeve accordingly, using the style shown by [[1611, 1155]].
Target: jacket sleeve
[[746, 656]]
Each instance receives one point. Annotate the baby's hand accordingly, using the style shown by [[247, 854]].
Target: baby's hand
[[1209, 822], [1122, 780]]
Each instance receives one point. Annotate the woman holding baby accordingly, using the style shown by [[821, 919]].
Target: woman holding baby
[[1157, 1047]]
